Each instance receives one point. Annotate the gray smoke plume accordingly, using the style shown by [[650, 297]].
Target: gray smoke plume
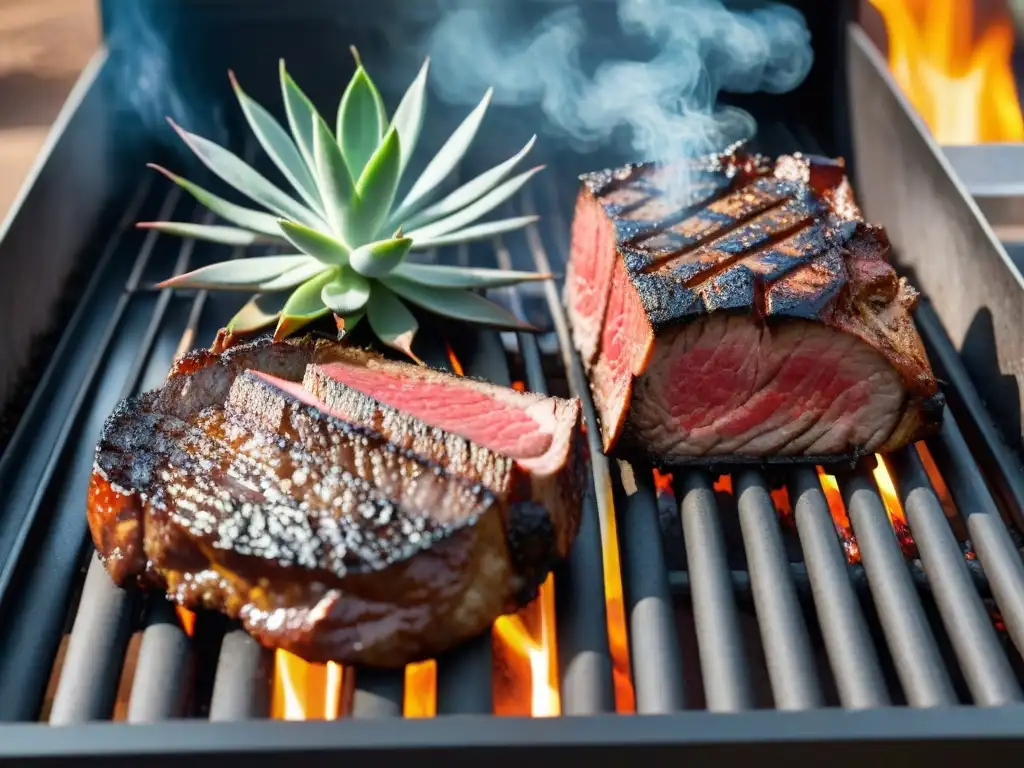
[[667, 102]]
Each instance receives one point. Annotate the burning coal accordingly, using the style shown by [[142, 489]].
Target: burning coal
[[666, 101]]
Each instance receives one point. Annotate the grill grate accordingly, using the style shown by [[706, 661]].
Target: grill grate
[[887, 630]]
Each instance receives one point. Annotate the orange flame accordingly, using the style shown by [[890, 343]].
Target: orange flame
[[893, 507], [723, 484], [615, 608], [454, 360], [839, 517], [420, 689], [662, 482], [525, 651], [187, 620], [958, 78], [304, 691]]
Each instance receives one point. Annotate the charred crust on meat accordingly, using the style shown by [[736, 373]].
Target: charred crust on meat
[[933, 409], [778, 247], [532, 546]]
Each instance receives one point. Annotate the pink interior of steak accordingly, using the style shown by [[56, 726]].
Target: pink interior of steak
[[730, 385], [503, 421], [591, 261], [626, 343]]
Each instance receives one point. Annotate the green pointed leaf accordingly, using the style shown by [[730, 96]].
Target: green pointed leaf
[[258, 221], [293, 277], [441, 276], [260, 311], [237, 274], [408, 119], [377, 186], [211, 233], [304, 305], [447, 157], [469, 191], [233, 170], [478, 232], [320, 246], [337, 189], [347, 293], [475, 211], [301, 115], [362, 121], [279, 146], [380, 258], [455, 304], [391, 320]]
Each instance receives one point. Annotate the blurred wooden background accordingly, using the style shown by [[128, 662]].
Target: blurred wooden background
[[44, 44]]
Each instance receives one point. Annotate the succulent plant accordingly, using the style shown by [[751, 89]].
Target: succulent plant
[[351, 237]]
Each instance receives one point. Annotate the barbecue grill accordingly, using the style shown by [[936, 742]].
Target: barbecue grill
[[752, 623]]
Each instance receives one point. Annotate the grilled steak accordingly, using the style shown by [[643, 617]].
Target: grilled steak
[[520, 445], [234, 488], [760, 320]]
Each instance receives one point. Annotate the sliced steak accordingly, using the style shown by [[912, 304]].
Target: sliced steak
[[759, 319], [237, 490], [524, 447]]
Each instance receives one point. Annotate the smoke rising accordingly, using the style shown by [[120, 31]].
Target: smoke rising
[[146, 81], [666, 102]]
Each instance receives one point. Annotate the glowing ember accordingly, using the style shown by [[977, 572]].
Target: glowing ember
[[780, 500], [723, 484], [893, 507], [662, 482], [839, 517], [304, 691], [955, 70], [420, 689], [454, 360]]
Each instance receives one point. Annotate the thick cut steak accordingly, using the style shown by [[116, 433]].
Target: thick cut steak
[[756, 319], [522, 446], [234, 488]]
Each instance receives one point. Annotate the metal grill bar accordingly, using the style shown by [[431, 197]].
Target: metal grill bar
[[92, 665], [723, 663], [919, 664], [851, 652], [24, 653], [982, 660], [989, 447], [34, 421], [999, 557], [378, 693], [241, 683], [655, 657], [161, 674], [783, 632], [585, 663]]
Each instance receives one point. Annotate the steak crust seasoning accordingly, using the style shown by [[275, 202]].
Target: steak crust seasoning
[[348, 519], [757, 320]]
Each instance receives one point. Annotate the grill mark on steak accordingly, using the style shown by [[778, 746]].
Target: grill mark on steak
[[785, 242], [706, 220], [323, 537]]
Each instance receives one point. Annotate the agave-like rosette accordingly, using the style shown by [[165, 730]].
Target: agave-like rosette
[[350, 236]]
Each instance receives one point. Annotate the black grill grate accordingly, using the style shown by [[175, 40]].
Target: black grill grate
[[740, 611]]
